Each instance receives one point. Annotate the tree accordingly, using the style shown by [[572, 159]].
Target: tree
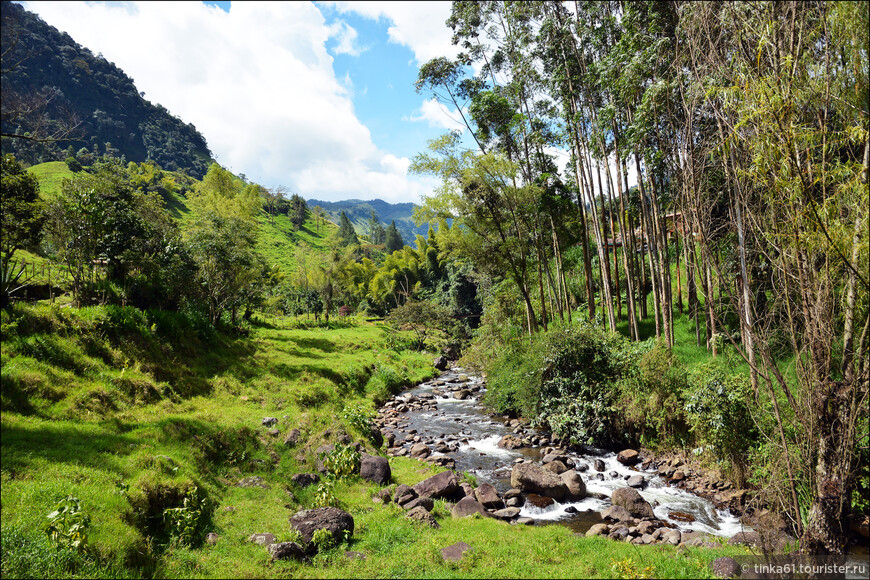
[[424, 318], [393, 239], [20, 225], [377, 235], [346, 233], [298, 210]]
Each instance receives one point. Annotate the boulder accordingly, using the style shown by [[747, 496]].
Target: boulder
[[439, 485], [454, 552], [628, 457], [528, 477], [286, 551], [599, 465], [462, 394], [468, 506], [262, 539], [616, 513], [427, 503], [556, 467], [678, 475], [539, 501], [632, 501], [574, 484], [211, 539], [420, 451], [725, 567], [488, 496], [598, 530], [510, 442], [421, 514], [375, 469], [305, 479], [440, 363], [383, 496], [269, 421], [672, 537], [636, 481], [404, 494], [292, 438], [507, 513], [338, 522]]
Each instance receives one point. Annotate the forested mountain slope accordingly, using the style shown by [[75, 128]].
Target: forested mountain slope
[[54, 87]]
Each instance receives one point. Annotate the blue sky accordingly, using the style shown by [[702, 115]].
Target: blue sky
[[316, 97]]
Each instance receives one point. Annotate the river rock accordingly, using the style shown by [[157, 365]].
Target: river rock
[[420, 451], [510, 442], [338, 522], [636, 481], [539, 501], [286, 551], [507, 513], [632, 501], [462, 394], [375, 469], [576, 489], [528, 477], [599, 465], [421, 514], [382, 496], [468, 506], [598, 530], [440, 363], [672, 537], [439, 485], [556, 467], [616, 513], [678, 475], [681, 517], [628, 457], [487, 495]]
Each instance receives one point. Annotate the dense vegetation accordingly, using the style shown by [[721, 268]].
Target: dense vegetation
[[721, 305], [64, 102]]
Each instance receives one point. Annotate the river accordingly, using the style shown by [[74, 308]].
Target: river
[[465, 432]]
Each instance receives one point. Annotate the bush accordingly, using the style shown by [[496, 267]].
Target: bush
[[566, 381], [718, 406], [384, 383]]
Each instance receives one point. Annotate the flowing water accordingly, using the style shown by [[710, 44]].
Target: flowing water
[[473, 435]]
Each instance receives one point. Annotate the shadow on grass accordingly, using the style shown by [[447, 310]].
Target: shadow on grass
[[62, 442]]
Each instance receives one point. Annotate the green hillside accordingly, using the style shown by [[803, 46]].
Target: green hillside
[[359, 213]]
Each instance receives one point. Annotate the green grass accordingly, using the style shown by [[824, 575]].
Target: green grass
[[51, 176], [105, 404]]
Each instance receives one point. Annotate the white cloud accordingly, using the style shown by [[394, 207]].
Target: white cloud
[[437, 115], [257, 82], [346, 36], [418, 25]]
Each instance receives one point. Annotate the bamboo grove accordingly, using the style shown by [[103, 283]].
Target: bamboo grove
[[718, 156]]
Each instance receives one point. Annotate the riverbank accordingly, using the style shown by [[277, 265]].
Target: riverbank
[[109, 408]]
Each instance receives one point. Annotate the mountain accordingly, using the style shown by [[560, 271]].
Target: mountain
[[54, 86], [359, 212]]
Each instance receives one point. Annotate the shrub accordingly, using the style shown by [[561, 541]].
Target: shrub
[[360, 420], [718, 406], [343, 461], [384, 383], [68, 525]]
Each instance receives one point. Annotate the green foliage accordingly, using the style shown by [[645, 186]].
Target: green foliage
[[323, 539], [324, 495], [341, 462], [67, 525], [187, 523], [718, 406], [385, 382], [360, 420], [346, 232], [424, 318], [393, 239]]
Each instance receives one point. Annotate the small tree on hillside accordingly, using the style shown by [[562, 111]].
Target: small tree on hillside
[[393, 239], [424, 318]]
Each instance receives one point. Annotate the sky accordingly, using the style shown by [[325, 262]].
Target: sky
[[316, 97]]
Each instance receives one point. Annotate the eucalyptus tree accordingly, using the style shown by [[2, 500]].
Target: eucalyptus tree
[[784, 86]]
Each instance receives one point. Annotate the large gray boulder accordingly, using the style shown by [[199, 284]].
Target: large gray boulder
[[286, 551], [420, 451], [628, 457], [375, 469], [337, 521], [574, 484], [439, 485], [631, 500], [528, 477], [421, 514]]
